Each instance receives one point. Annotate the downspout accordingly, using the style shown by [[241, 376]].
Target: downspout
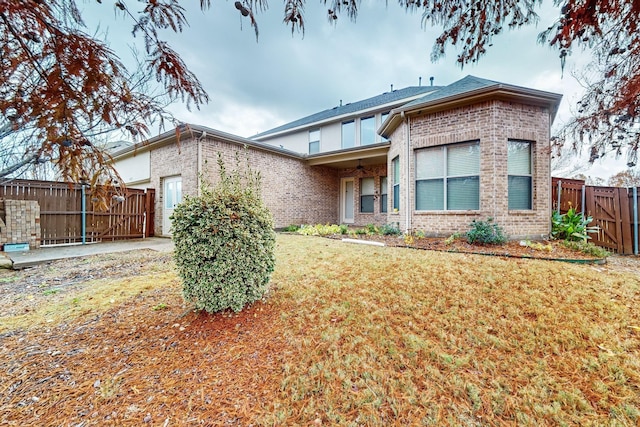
[[407, 215], [199, 161]]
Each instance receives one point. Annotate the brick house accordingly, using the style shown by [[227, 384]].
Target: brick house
[[427, 158]]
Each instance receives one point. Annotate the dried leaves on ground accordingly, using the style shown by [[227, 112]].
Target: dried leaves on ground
[[349, 335]]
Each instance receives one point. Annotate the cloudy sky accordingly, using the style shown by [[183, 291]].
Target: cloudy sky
[[255, 86]]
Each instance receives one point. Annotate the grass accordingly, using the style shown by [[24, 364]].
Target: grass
[[377, 336], [411, 337], [92, 298]]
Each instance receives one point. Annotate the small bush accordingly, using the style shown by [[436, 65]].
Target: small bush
[[224, 242], [419, 234], [390, 230], [537, 246], [587, 248], [571, 226], [449, 240], [372, 229], [322, 230], [486, 233], [291, 228]]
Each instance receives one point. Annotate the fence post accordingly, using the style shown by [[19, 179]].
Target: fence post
[[84, 215], [635, 220], [583, 200], [559, 194]]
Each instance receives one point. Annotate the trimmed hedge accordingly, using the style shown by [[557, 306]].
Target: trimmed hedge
[[224, 242]]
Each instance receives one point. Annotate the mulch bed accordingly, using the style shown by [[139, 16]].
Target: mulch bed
[[135, 366], [555, 249]]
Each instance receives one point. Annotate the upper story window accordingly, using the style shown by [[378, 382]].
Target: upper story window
[[314, 141], [448, 177], [348, 134], [383, 117], [367, 130], [519, 169]]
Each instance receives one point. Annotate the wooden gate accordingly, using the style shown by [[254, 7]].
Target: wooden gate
[[61, 212], [610, 207]]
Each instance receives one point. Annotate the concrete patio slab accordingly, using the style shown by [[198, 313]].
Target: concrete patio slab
[[20, 260]]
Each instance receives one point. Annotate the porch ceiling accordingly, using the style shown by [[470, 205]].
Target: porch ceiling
[[350, 158]]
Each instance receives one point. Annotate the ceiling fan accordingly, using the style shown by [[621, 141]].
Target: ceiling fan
[[359, 168]]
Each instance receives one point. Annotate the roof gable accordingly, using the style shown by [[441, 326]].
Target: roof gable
[[466, 84], [468, 90]]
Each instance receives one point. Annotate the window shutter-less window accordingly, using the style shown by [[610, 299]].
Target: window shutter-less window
[[463, 170], [383, 194], [367, 187], [520, 175]]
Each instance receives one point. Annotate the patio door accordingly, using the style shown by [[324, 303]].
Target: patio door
[[346, 201], [172, 196]]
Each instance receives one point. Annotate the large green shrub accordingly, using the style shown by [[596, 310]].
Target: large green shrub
[[224, 242]]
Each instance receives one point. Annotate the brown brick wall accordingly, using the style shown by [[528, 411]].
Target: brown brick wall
[[370, 171], [21, 223], [294, 192], [300, 194], [493, 123]]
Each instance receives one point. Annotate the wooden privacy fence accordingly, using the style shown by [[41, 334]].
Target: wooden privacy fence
[[61, 212], [614, 210]]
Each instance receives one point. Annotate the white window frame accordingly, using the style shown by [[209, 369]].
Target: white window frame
[[314, 140], [352, 142], [384, 194], [395, 168], [446, 177], [383, 117], [529, 175], [372, 120], [372, 194]]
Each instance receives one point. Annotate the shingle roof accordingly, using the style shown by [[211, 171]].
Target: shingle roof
[[379, 100], [463, 85]]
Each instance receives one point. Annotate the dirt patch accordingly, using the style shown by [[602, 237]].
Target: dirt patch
[[25, 290]]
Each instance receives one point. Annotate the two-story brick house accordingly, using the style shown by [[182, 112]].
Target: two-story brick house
[[427, 158]]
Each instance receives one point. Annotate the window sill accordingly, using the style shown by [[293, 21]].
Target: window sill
[[528, 212], [469, 213]]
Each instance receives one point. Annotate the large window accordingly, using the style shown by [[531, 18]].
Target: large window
[[367, 130], [383, 194], [520, 177], [448, 177], [395, 164], [367, 187], [314, 141], [348, 134]]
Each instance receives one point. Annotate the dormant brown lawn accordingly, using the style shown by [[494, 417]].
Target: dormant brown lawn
[[349, 335]]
